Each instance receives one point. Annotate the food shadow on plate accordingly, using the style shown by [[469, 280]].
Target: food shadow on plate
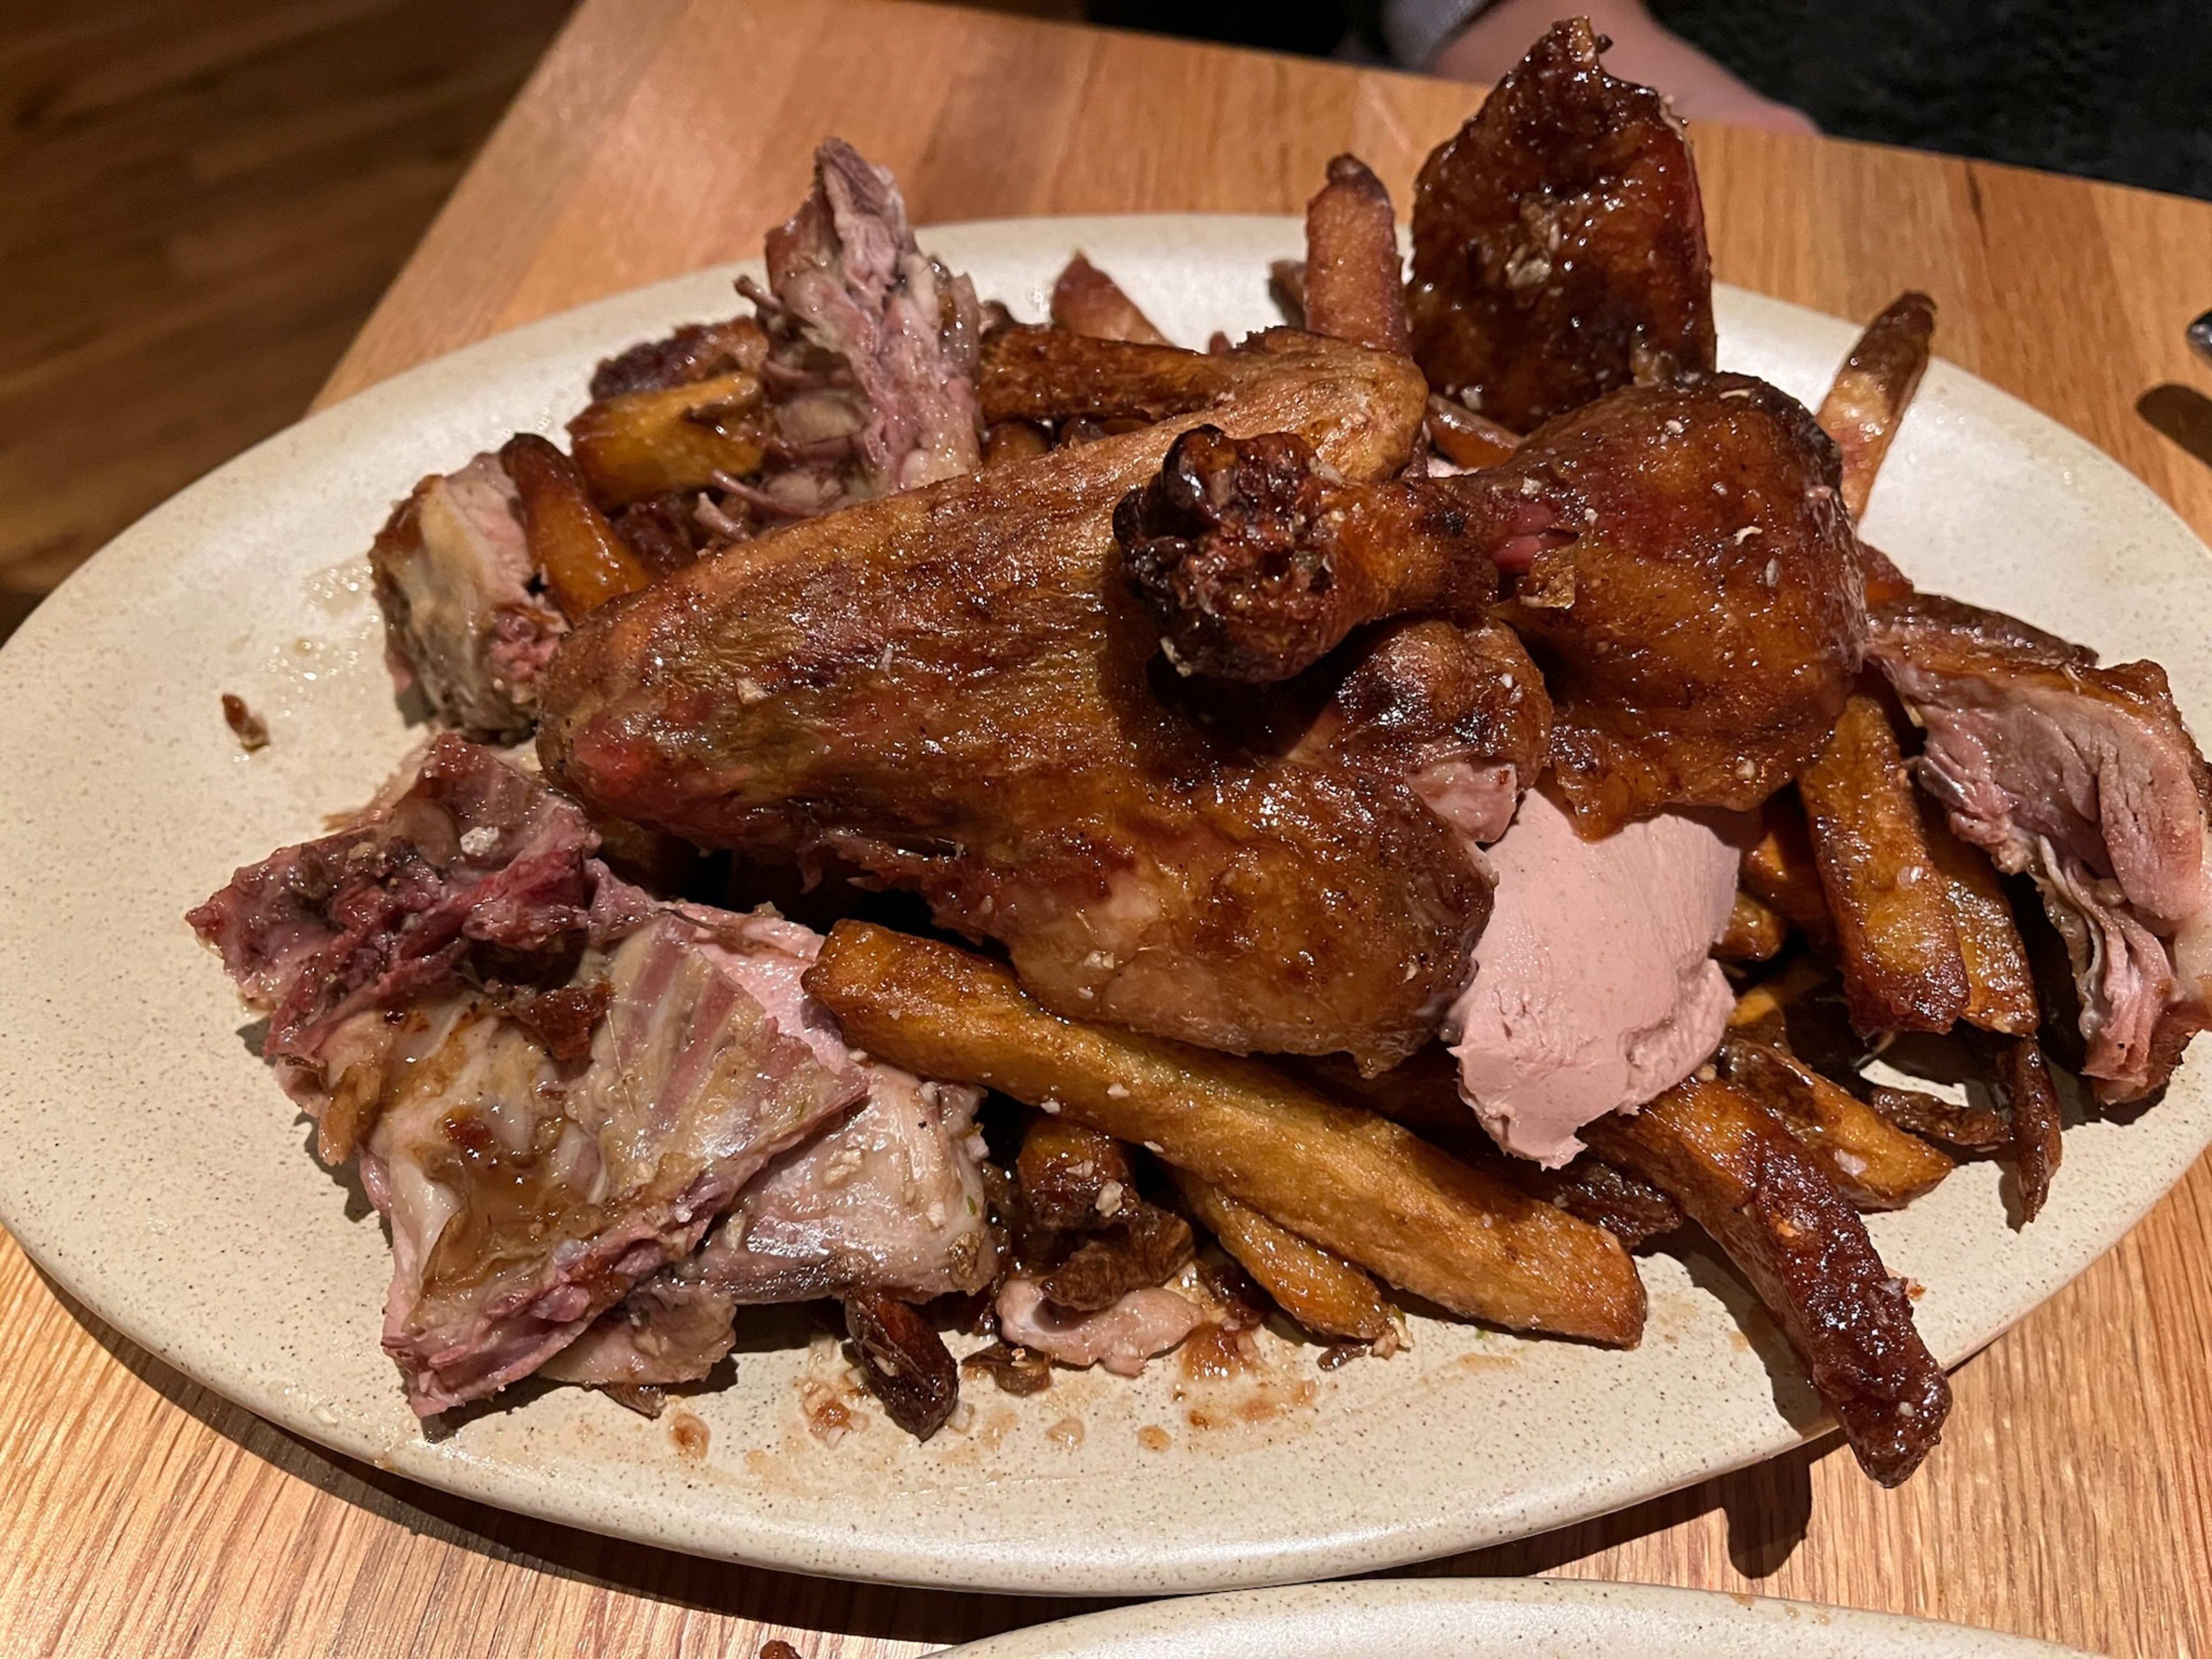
[[1793, 1393], [1767, 1508]]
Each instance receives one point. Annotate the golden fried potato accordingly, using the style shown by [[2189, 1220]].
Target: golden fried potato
[[1355, 281], [1749, 1182], [1754, 933], [1874, 1163], [2024, 1081], [1086, 301], [1465, 438], [1781, 872], [1351, 1182], [1903, 970], [1872, 389], [584, 563], [678, 437], [2000, 986], [1323, 1293]]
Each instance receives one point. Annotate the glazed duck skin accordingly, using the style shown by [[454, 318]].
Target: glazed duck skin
[[952, 691]]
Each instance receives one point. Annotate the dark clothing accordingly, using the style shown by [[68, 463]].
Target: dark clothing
[[2117, 90]]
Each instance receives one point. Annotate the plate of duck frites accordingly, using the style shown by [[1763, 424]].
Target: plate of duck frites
[[1121, 905]]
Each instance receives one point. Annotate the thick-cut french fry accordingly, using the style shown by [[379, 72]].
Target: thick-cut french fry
[[1465, 438], [1781, 872], [1903, 970], [1877, 381], [1286, 286], [1086, 301], [1353, 1182], [1323, 1293], [584, 561], [1355, 286], [1423, 1094], [2000, 984], [647, 443], [1874, 1163], [1007, 441], [1754, 933], [1766, 1005], [2023, 1079], [1976, 1129], [1748, 1181], [1053, 374]]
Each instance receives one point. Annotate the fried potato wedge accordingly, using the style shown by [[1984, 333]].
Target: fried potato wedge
[[1086, 301], [1755, 933], [1286, 286], [1903, 970], [2000, 983], [1423, 1094], [2036, 1145], [1780, 871], [1765, 1006], [1875, 1165], [1354, 1183], [1974, 1128], [1744, 1178], [1005, 442], [1873, 388], [647, 443], [585, 563], [1325, 1293], [1053, 374], [1465, 438], [1355, 282]]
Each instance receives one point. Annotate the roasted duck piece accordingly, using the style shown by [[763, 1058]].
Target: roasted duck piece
[[2085, 778], [1558, 242], [951, 691], [1676, 559], [1258, 564], [466, 621], [860, 380], [872, 347]]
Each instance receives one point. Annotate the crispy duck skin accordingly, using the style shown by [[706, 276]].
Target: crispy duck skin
[[1558, 242], [1258, 565], [951, 690], [1701, 629], [1877, 381], [1676, 559], [1355, 287], [1747, 1181]]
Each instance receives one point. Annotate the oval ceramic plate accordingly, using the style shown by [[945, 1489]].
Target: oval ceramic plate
[[154, 1169], [1496, 1618]]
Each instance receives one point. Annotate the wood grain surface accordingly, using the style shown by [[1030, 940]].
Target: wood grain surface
[[199, 203], [2071, 1497]]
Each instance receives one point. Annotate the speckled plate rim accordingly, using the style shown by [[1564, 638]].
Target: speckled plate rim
[[110, 769], [1497, 1618]]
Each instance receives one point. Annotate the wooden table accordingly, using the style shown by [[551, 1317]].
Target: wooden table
[[2073, 1495]]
